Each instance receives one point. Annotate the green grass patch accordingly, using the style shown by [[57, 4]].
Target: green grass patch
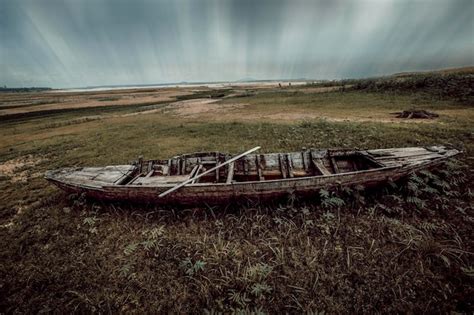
[[404, 247]]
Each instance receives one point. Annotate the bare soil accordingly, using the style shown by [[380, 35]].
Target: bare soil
[[49, 101], [18, 169], [196, 107]]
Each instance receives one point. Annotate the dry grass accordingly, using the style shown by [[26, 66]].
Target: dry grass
[[24, 103], [399, 249]]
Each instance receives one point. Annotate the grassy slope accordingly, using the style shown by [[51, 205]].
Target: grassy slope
[[396, 249]]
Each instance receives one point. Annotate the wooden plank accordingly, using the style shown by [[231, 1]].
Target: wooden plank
[[303, 157], [259, 169], [401, 155], [160, 180], [150, 173], [319, 165], [121, 179], [310, 156], [341, 152], [200, 167], [208, 171], [289, 161], [245, 166], [369, 157], [183, 167], [217, 172], [398, 152], [282, 165], [178, 167], [391, 150], [318, 154], [230, 173], [126, 172], [193, 171], [208, 162], [334, 165]]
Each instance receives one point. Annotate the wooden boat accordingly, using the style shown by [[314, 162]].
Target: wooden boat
[[253, 176]]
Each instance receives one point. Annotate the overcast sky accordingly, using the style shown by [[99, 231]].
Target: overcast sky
[[61, 43]]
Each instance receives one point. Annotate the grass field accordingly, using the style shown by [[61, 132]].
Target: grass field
[[403, 248]]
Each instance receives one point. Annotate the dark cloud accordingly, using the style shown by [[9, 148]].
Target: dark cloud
[[101, 42]]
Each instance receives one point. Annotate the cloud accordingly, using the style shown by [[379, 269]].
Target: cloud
[[104, 42]]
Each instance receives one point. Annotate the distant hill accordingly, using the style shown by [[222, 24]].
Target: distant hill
[[469, 69], [454, 84], [24, 89]]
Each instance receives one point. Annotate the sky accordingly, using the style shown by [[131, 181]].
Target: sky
[[77, 43]]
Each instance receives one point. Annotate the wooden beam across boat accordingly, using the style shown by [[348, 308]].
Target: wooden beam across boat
[[289, 161], [207, 172], [262, 176], [200, 167], [282, 165], [259, 168], [334, 165], [319, 165], [230, 173]]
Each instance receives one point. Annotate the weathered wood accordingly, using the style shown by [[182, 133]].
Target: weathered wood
[[369, 157], [194, 170], [318, 154], [208, 171], [289, 162], [150, 173], [183, 166], [334, 165], [217, 172], [200, 167], [305, 166], [178, 167], [319, 165], [259, 168], [242, 179], [230, 173], [208, 162], [282, 165], [401, 155]]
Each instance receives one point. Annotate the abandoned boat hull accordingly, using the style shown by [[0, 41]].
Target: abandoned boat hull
[[391, 165]]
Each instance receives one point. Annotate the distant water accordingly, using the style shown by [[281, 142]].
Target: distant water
[[161, 86]]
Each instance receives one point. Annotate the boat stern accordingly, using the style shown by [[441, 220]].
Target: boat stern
[[74, 178], [413, 155], [446, 151]]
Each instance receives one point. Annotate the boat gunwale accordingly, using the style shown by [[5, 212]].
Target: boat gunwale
[[289, 179], [407, 166]]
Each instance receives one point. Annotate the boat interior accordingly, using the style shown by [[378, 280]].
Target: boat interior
[[249, 168], [253, 167]]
